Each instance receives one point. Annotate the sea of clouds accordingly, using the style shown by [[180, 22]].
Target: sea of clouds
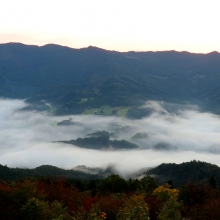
[[170, 134]]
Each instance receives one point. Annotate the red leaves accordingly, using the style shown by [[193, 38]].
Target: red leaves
[[68, 195], [155, 205], [88, 203], [60, 196]]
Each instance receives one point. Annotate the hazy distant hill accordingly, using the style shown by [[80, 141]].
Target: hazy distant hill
[[101, 140], [75, 80]]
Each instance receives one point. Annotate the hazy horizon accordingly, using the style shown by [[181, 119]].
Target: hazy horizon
[[141, 51], [125, 25]]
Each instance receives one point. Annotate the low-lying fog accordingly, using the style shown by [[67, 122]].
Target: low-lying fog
[[164, 137]]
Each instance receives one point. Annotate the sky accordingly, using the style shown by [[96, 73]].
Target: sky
[[121, 25], [27, 137]]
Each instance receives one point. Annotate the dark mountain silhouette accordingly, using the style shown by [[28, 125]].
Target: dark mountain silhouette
[[181, 174], [7, 173]]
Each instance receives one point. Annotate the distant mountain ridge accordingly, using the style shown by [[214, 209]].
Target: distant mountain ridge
[[75, 80], [7, 173], [180, 174]]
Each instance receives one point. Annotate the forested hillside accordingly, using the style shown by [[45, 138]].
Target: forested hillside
[[87, 80], [7, 173], [111, 198], [180, 174]]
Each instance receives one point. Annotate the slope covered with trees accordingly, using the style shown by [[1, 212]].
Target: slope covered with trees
[[7, 173], [180, 174], [75, 80]]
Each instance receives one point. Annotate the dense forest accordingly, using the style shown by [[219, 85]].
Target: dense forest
[[194, 171], [167, 192], [96, 81], [111, 198]]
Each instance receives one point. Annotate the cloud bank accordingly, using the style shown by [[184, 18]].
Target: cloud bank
[[170, 134]]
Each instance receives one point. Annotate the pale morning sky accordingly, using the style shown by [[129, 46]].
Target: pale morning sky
[[122, 25]]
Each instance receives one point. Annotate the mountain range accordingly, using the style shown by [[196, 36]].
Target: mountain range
[[97, 81]]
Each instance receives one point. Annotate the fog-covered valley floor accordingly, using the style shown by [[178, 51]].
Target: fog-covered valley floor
[[170, 134]]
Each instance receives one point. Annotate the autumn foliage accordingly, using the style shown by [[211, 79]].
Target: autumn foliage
[[112, 198]]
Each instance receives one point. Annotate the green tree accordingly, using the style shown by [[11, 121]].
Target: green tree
[[148, 184], [114, 184], [212, 182], [171, 210]]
